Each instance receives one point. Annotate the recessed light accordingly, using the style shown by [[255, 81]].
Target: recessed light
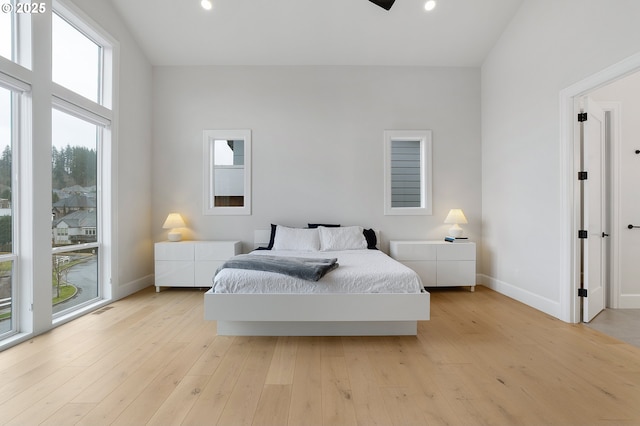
[[430, 5], [206, 4]]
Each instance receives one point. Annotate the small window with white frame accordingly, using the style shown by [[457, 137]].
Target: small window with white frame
[[408, 174]]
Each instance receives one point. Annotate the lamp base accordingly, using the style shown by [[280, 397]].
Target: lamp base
[[174, 236], [456, 231]]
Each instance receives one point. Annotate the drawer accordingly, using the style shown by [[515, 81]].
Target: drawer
[[221, 250], [174, 251], [413, 251], [457, 251], [205, 270], [456, 273], [174, 273], [426, 269]]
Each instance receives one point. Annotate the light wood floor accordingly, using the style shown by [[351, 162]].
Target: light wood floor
[[482, 359]]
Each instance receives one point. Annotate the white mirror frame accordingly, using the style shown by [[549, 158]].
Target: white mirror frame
[[424, 137], [209, 137]]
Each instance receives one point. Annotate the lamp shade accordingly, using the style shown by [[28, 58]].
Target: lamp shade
[[174, 220], [455, 216]]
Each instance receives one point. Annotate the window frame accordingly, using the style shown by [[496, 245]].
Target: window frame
[[98, 245], [426, 172], [102, 115], [19, 92]]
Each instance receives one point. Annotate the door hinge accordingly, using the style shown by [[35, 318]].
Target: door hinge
[[582, 116], [582, 175], [582, 292], [582, 233]]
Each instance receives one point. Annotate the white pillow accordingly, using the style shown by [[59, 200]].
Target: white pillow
[[296, 239], [344, 238]]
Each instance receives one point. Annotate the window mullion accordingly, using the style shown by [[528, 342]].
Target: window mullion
[[80, 107], [14, 76]]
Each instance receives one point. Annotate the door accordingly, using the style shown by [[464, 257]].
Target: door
[[594, 211]]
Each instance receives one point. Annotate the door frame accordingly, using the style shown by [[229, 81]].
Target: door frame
[[613, 176], [570, 198]]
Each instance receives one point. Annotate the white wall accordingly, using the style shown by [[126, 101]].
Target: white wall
[[627, 92], [548, 46], [317, 136]]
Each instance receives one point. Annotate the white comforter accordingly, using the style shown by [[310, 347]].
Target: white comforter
[[360, 271]]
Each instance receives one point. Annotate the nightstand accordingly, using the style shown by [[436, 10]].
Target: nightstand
[[438, 263], [191, 263]]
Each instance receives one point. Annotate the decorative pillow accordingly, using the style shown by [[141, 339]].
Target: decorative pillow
[[372, 240], [343, 238], [296, 239], [271, 238], [315, 225]]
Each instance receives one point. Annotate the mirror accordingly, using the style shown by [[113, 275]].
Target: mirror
[[407, 172], [227, 172]]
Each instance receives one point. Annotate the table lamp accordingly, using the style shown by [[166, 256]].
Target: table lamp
[[174, 221], [455, 217]]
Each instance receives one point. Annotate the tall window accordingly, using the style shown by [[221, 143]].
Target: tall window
[[8, 133], [14, 96], [75, 211], [79, 137]]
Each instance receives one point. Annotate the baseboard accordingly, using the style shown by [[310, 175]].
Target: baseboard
[[629, 301], [131, 287], [543, 304]]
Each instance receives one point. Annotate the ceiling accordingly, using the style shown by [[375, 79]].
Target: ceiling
[[316, 32]]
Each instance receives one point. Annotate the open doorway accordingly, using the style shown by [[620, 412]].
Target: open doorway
[[621, 102], [616, 90]]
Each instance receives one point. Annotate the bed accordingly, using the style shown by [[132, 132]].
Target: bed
[[369, 293]]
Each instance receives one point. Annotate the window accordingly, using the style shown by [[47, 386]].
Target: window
[[406, 179], [75, 210], [76, 60], [14, 115], [79, 160], [9, 111], [79, 242], [407, 172]]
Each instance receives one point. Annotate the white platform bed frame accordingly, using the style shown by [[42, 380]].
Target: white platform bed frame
[[362, 314]]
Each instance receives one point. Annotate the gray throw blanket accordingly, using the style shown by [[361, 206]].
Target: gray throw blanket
[[306, 268]]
